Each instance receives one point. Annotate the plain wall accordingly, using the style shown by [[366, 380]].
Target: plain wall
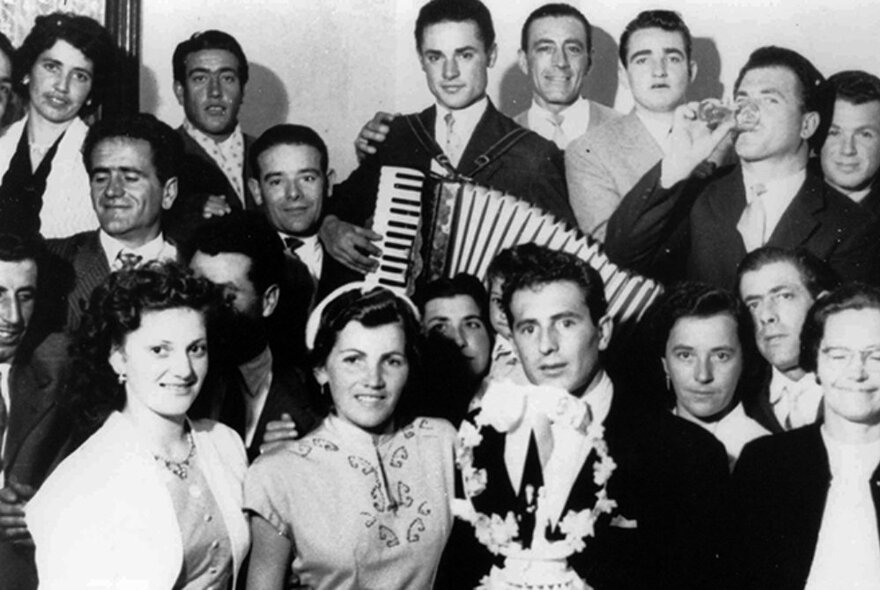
[[331, 64]]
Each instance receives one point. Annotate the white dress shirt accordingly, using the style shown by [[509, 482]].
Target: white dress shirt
[[155, 249], [658, 127], [575, 120], [257, 374], [569, 452], [777, 196], [795, 403], [848, 548], [310, 252], [466, 120]]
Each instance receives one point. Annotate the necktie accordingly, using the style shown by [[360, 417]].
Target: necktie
[[292, 244], [752, 223], [559, 137], [127, 260], [453, 141]]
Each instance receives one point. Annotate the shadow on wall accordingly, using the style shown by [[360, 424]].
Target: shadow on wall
[[600, 84], [149, 91], [708, 82], [265, 101]]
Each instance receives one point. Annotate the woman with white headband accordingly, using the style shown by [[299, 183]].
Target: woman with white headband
[[363, 500]]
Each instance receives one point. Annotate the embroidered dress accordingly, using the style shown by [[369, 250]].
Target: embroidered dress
[[360, 513]]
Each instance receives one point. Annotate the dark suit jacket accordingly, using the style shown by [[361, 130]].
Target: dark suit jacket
[[689, 231], [76, 266], [200, 177], [222, 399], [299, 295], [779, 488], [532, 169], [37, 439], [669, 479]]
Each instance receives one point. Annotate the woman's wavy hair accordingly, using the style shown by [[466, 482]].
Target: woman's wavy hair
[[82, 32], [115, 310], [374, 308]]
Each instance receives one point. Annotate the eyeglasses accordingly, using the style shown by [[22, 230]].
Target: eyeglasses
[[840, 357]]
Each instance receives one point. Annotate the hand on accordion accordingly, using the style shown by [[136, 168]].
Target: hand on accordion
[[349, 244]]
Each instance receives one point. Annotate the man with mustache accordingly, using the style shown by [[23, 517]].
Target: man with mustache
[[210, 74], [778, 287], [132, 165], [253, 380]]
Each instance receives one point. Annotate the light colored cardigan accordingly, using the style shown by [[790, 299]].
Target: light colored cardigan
[[67, 202], [105, 519]]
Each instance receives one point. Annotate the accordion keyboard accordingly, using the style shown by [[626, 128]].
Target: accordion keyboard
[[397, 219]]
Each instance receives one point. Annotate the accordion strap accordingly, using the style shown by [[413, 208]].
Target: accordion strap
[[427, 140], [495, 150]]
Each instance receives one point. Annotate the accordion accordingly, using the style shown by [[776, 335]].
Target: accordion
[[459, 227]]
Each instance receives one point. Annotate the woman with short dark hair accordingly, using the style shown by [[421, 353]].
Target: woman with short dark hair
[[152, 499], [362, 501], [62, 70], [704, 338]]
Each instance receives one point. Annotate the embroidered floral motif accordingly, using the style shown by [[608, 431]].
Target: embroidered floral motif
[[302, 449], [387, 535], [359, 463], [415, 527], [399, 455], [370, 519], [325, 444], [403, 494], [378, 498]]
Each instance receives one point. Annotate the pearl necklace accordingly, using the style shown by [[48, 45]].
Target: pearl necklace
[[179, 468]]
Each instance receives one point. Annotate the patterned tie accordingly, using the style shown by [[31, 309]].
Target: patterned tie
[[127, 260], [559, 137], [752, 224], [453, 141]]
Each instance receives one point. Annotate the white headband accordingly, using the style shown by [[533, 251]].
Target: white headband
[[363, 287]]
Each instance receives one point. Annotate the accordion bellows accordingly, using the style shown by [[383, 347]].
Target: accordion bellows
[[461, 228]]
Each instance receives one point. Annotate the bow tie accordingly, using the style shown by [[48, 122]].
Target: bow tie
[[292, 244]]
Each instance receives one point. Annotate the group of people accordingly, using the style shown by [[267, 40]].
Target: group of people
[[203, 387]]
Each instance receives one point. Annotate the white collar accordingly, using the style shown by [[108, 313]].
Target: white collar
[[576, 119], [780, 384], [856, 196], [202, 137], [658, 127], [152, 250], [466, 120], [599, 397]]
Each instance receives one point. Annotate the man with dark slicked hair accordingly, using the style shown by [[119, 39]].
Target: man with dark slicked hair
[[674, 224], [210, 75], [461, 134], [850, 156]]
